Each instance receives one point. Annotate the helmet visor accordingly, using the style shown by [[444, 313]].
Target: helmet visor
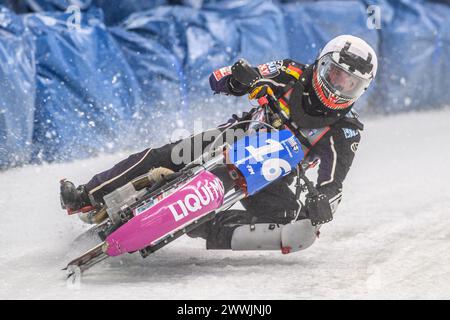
[[339, 81]]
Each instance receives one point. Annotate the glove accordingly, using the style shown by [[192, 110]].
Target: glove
[[318, 209], [244, 73], [260, 91]]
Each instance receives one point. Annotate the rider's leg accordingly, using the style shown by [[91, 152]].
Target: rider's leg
[[103, 183], [126, 170], [173, 156]]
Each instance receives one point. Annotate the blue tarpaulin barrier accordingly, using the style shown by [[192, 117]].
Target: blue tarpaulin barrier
[[17, 90], [85, 90], [116, 79], [414, 66], [173, 50]]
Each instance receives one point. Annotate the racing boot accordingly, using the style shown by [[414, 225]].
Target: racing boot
[[73, 199]]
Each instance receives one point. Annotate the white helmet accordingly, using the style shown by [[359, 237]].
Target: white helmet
[[345, 68]]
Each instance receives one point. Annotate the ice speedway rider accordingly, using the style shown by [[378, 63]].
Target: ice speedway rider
[[318, 99]]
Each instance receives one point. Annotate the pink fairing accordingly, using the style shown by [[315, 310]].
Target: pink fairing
[[194, 199]]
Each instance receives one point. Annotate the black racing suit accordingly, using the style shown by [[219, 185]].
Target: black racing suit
[[331, 136]]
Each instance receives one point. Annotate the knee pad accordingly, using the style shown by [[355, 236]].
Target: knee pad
[[298, 236], [261, 236], [288, 238]]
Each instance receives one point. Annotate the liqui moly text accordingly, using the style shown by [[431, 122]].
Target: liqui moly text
[[200, 196], [197, 197]]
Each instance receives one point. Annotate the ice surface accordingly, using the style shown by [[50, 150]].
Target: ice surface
[[390, 237]]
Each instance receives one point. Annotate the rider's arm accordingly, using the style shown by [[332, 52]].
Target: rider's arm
[[336, 151], [275, 74]]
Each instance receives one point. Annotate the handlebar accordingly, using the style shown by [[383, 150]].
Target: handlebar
[[270, 101]]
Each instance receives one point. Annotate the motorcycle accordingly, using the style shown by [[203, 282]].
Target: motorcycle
[[144, 217]]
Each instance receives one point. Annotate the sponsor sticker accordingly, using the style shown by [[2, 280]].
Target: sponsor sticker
[[144, 207], [312, 132], [354, 146], [269, 69], [150, 203], [293, 144], [197, 199], [350, 133], [222, 72]]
